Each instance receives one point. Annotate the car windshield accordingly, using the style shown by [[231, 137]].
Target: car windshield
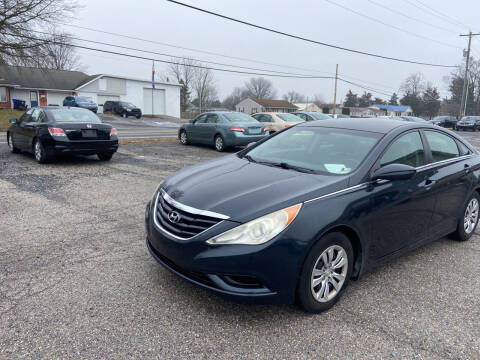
[[83, 99], [471, 118], [239, 117], [74, 116], [289, 117], [315, 149], [319, 116], [127, 104]]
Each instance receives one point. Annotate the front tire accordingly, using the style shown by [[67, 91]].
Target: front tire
[[39, 152], [325, 273], [105, 156], [469, 220], [183, 137], [11, 145], [219, 143]]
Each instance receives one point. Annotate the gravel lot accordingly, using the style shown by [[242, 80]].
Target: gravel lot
[[76, 280]]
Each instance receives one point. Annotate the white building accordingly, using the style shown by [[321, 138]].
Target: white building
[[42, 87], [308, 107], [251, 106]]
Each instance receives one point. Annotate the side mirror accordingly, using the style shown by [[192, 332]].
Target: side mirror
[[13, 121], [394, 172], [251, 144]]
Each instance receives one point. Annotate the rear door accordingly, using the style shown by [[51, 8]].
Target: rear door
[[401, 209], [210, 128], [20, 136], [452, 179]]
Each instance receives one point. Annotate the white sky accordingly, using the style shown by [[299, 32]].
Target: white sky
[[166, 22]]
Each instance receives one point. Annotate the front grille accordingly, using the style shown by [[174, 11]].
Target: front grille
[[188, 225]]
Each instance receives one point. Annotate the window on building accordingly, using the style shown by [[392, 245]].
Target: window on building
[[3, 94], [102, 84]]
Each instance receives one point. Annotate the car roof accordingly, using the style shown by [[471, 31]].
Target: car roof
[[377, 125]]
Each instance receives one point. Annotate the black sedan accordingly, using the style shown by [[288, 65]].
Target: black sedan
[[50, 131], [299, 214]]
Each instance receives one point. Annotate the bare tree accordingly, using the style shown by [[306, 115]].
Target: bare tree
[[238, 94], [204, 87], [294, 97], [57, 53], [185, 73], [414, 84], [318, 100], [260, 88], [17, 20]]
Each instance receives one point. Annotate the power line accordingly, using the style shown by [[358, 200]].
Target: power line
[[190, 49], [308, 40], [442, 14], [396, 12], [171, 62], [434, 13], [389, 25], [175, 56]]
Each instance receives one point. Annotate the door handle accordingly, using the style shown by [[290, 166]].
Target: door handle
[[466, 168], [429, 183]]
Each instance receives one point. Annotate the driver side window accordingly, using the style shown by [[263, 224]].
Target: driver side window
[[407, 149]]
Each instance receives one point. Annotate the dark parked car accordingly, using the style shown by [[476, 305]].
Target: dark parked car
[[468, 123], [414, 119], [311, 115], [81, 102], [445, 121], [222, 130], [49, 131], [122, 108], [299, 214]]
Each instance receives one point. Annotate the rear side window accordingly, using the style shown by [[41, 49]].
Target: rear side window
[[443, 147], [407, 150], [212, 119]]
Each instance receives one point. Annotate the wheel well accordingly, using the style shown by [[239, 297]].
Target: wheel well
[[356, 245]]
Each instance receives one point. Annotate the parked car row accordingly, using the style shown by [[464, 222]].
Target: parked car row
[[122, 108]]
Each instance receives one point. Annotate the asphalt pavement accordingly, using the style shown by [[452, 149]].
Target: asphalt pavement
[[76, 280]]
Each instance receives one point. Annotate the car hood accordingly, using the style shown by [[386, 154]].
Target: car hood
[[244, 190], [86, 103]]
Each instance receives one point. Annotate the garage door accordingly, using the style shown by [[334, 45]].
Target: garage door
[[55, 98], [157, 99], [102, 98]]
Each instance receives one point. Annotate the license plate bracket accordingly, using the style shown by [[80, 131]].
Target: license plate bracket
[[90, 133]]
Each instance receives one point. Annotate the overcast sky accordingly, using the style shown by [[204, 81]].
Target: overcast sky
[[321, 20]]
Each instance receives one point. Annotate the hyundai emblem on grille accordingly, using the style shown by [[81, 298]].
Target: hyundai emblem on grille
[[174, 217]]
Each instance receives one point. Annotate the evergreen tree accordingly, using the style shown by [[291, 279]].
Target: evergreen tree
[[393, 100]]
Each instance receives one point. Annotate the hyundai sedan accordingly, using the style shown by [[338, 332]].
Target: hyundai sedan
[[50, 131], [298, 215]]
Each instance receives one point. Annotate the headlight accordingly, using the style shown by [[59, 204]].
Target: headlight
[[260, 230]]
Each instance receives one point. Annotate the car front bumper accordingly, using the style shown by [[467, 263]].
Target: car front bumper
[[262, 274], [465, 126]]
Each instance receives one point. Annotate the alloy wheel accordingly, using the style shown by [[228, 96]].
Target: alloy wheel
[[471, 216], [183, 137], [219, 143], [38, 151], [329, 273]]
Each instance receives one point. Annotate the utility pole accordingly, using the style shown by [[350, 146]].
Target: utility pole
[[335, 92], [463, 104]]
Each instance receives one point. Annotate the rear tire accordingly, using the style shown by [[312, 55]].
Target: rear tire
[[325, 273], [105, 156], [138, 116], [39, 152], [11, 145], [469, 219], [219, 143]]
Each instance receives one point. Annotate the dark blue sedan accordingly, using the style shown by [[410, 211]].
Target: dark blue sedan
[[81, 102], [296, 216], [222, 130]]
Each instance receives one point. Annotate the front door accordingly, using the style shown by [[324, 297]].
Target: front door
[[43, 97], [210, 129], [401, 209], [33, 99], [197, 128]]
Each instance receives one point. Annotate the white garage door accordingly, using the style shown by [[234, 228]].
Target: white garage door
[[157, 100], [102, 98], [56, 98]]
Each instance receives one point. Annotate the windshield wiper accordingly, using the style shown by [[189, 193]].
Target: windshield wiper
[[285, 165], [249, 158]]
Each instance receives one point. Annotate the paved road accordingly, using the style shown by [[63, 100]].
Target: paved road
[[76, 280]]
